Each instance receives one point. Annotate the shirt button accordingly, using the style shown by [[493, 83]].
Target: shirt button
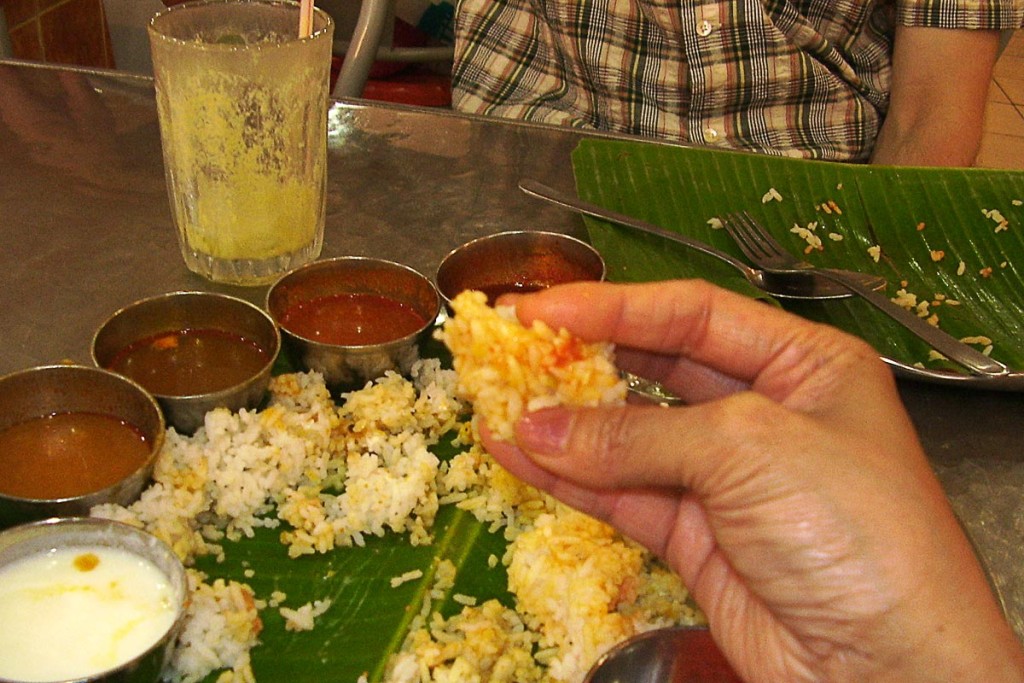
[[704, 28], [710, 134]]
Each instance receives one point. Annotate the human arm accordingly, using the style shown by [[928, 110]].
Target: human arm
[[940, 83], [792, 495]]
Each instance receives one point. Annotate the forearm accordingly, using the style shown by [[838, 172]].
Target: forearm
[[940, 82], [933, 139]]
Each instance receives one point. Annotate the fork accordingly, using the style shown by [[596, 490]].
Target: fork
[[766, 253], [793, 286]]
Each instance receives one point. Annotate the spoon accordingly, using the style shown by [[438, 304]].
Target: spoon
[[804, 286]]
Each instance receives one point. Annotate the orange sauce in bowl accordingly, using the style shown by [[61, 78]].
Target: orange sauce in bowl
[[191, 361], [352, 319], [68, 454]]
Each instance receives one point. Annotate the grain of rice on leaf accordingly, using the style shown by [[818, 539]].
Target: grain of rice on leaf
[[505, 368]]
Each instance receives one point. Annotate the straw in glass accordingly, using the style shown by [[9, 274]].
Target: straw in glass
[[305, 18]]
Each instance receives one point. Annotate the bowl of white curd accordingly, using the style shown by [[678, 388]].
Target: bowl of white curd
[[93, 600]]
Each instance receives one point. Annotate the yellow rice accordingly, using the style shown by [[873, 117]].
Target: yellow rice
[[331, 474], [505, 368]]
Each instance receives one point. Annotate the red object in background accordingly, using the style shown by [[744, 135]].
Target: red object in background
[[405, 35], [401, 82], [416, 86], [335, 71]]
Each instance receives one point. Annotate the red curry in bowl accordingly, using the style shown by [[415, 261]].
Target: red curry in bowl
[[353, 318], [190, 361], [519, 262], [194, 351]]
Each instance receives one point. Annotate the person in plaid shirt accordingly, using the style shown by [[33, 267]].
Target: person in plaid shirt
[[886, 81]]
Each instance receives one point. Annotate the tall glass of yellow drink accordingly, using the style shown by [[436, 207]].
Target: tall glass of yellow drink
[[242, 103]]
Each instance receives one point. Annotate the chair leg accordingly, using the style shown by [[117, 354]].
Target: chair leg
[[1004, 39], [6, 50], [362, 49]]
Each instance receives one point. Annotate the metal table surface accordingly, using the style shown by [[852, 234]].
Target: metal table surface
[[85, 228]]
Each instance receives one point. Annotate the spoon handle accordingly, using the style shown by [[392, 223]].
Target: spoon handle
[[550, 194], [957, 351]]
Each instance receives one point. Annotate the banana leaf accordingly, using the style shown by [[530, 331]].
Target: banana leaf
[[368, 619], [974, 217]]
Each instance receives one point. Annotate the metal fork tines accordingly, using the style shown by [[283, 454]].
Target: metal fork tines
[[765, 252]]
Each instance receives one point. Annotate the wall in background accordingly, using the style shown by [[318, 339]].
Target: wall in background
[[61, 31], [111, 33]]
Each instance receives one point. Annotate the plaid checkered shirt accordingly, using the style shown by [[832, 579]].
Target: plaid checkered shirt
[[805, 78]]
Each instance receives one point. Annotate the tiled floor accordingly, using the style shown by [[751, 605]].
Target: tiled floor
[[1003, 144]]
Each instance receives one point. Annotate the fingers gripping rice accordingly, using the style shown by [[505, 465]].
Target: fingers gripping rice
[[617, 588], [505, 368]]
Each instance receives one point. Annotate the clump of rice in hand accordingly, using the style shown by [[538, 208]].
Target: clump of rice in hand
[[505, 368]]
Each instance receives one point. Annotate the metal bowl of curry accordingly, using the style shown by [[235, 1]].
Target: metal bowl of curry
[[517, 261], [194, 351], [72, 437], [353, 318]]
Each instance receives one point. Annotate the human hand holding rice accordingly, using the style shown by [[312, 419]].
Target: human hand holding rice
[[505, 368], [792, 496]]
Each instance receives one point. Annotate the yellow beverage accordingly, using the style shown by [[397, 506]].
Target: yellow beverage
[[243, 119]]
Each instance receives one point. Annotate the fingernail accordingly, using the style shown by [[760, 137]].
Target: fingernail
[[545, 431]]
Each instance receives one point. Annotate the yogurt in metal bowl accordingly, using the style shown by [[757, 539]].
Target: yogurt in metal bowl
[[109, 596]]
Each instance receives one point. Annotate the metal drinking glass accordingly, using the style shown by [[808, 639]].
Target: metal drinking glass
[[242, 103]]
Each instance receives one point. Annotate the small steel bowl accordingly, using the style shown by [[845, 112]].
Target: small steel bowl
[[517, 261], [343, 364], [55, 389], [679, 653], [45, 536], [178, 311]]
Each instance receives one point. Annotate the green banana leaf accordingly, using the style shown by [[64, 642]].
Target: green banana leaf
[[368, 619], [908, 212]]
